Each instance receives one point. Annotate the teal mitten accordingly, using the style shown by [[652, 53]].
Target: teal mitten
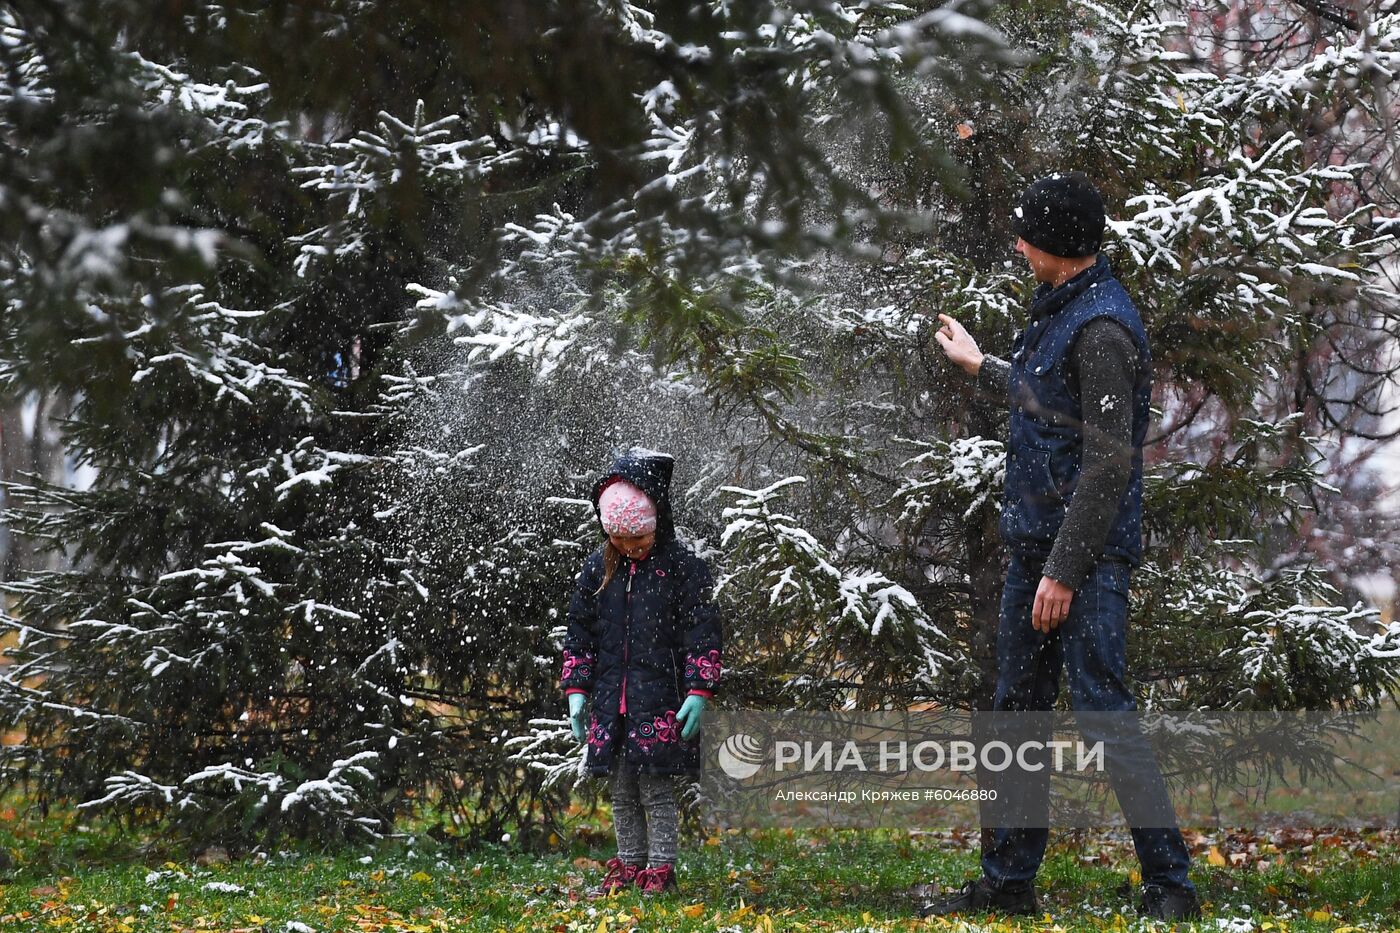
[[577, 701], [691, 713]]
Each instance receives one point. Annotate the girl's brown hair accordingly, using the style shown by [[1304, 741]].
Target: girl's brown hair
[[611, 558]]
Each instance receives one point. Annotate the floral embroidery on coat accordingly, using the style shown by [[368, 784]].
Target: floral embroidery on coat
[[703, 669], [597, 734], [661, 729], [577, 667]]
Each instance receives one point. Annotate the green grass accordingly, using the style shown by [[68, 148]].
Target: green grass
[[66, 875]]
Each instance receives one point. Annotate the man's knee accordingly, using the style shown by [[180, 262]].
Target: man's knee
[[1023, 694]]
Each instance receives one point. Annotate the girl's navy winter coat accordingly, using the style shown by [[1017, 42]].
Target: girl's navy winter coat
[[653, 627]]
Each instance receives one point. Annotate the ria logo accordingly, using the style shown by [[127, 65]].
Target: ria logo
[[740, 756]]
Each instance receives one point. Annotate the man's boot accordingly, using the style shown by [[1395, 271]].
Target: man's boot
[[981, 896], [1164, 902]]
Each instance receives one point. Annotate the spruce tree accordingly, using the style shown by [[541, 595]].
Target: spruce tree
[[353, 301], [304, 590]]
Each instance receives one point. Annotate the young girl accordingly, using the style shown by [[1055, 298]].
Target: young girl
[[641, 658]]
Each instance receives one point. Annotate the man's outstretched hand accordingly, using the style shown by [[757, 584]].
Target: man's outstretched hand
[[959, 345], [1052, 599]]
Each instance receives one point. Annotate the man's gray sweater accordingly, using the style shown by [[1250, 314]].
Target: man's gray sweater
[[1103, 364]]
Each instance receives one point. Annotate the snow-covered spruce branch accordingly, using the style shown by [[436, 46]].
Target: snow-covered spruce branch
[[338, 798], [964, 473], [1272, 643], [801, 575], [539, 749], [492, 330]]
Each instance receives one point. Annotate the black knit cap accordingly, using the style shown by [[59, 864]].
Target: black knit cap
[[1061, 214]]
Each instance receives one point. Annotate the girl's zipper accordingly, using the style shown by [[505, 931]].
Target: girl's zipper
[[627, 633]]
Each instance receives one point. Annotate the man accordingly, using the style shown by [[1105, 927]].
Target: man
[[1078, 385]]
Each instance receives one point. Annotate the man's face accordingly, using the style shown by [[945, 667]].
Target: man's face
[[1043, 265]]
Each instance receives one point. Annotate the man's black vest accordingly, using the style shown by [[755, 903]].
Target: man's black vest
[[1047, 441]]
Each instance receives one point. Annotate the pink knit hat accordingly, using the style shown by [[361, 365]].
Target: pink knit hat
[[626, 510]]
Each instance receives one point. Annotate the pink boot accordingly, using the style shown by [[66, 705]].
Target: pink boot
[[658, 880], [620, 877]]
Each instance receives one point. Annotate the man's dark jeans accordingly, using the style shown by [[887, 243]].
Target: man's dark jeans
[[1091, 645]]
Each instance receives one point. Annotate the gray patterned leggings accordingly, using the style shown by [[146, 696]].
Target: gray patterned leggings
[[645, 816]]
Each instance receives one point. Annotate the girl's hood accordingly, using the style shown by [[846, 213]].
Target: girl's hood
[[650, 471]]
